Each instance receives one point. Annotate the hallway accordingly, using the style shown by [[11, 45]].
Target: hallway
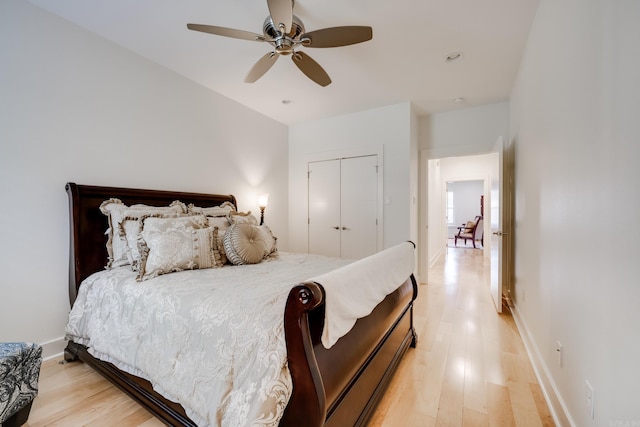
[[470, 367]]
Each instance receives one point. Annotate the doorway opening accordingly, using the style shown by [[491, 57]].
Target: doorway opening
[[440, 172]]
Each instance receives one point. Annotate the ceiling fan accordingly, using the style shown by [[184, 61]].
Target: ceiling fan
[[285, 32]]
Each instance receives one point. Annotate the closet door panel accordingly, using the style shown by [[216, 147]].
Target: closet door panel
[[359, 201], [324, 207]]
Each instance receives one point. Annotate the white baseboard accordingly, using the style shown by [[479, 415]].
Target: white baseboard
[[434, 258], [53, 349], [554, 400]]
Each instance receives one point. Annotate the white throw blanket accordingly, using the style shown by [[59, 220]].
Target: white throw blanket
[[381, 274]]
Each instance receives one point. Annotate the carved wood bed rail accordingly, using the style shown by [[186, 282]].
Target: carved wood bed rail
[[335, 387]]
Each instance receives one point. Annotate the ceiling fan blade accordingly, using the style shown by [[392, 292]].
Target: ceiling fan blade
[[311, 68], [281, 12], [261, 67], [337, 36], [226, 32]]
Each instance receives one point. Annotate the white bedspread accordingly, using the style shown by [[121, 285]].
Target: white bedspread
[[212, 340], [345, 303]]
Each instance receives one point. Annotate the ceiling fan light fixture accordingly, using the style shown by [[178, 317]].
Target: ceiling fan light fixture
[[453, 57]]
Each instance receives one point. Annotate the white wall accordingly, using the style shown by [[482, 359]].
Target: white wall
[[575, 131], [464, 132], [74, 107], [387, 130]]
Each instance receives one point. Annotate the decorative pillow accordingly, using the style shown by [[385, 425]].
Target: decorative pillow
[[242, 218], [181, 223], [116, 247], [222, 222], [271, 247], [116, 212], [131, 227], [175, 250], [244, 244], [223, 210], [219, 256]]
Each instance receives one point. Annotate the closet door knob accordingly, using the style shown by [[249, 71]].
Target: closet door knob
[[345, 228], [336, 227]]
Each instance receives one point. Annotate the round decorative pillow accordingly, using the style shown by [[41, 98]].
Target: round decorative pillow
[[244, 244]]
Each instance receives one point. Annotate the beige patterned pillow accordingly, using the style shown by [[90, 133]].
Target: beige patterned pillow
[[271, 242], [133, 226], [223, 210], [222, 222], [182, 223], [116, 246], [219, 256], [175, 250], [242, 218], [244, 244], [116, 212]]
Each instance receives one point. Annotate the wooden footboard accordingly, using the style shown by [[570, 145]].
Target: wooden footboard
[[341, 385], [335, 387]]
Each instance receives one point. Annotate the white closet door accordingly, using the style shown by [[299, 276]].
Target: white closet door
[[359, 206], [324, 208]]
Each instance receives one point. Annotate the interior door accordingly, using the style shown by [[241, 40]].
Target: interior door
[[324, 207], [359, 206], [497, 225]]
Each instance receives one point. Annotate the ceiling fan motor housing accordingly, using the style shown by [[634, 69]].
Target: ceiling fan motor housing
[[283, 43]]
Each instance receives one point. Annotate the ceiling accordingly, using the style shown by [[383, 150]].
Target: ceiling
[[404, 62]]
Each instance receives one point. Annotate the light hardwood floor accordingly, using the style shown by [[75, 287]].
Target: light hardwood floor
[[470, 367]]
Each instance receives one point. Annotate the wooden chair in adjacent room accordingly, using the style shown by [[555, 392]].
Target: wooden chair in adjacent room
[[472, 230]]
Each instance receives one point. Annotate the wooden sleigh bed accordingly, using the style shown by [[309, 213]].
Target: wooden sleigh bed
[[339, 386]]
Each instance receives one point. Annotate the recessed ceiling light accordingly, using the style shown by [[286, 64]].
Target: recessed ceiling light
[[458, 100], [453, 57], [286, 101]]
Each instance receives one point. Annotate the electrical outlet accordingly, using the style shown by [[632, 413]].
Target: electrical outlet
[[559, 353], [588, 394]]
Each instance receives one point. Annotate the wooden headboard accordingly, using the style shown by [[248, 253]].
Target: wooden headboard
[[87, 225]]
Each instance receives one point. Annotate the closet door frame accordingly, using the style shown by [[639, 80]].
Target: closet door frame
[[349, 153]]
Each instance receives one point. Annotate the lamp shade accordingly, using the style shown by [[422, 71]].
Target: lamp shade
[[263, 200]]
